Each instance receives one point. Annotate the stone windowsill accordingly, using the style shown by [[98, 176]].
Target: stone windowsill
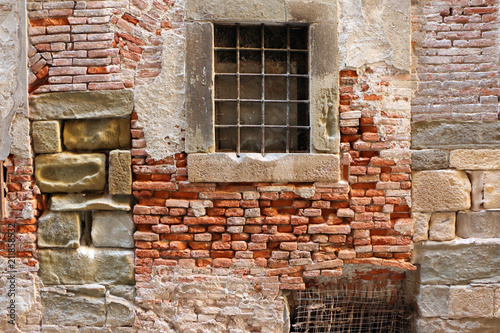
[[227, 167]]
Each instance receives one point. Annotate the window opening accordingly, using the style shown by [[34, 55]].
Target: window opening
[[261, 88]]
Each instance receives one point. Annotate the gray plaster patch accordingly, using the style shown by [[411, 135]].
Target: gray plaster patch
[[82, 105]]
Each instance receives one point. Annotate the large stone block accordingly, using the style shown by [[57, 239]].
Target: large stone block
[[433, 301], [68, 172], [471, 301], [70, 306], [442, 226], [463, 325], [81, 202], [82, 104], [86, 266], [429, 159], [443, 190], [491, 194], [120, 312], [475, 159], [482, 224], [59, 229], [47, 137], [450, 135], [421, 231], [460, 261], [112, 229], [95, 134], [120, 173]]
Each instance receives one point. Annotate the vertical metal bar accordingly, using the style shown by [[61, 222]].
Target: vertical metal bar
[[263, 129], [2, 192], [238, 146], [288, 88]]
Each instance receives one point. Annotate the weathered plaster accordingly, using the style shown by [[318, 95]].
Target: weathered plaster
[[374, 31], [160, 105], [13, 85]]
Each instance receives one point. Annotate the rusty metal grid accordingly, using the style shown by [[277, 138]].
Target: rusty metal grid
[[344, 310], [264, 100]]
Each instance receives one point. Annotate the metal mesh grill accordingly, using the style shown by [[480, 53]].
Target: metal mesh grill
[[261, 88], [346, 310]]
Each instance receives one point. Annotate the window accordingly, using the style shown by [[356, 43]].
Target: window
[[261, 88], [262, 91]]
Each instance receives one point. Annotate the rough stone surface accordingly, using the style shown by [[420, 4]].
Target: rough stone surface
[[442, 226], [433, 301], [429, 159], [483, 224], [442, 135], [72, 307], [86, 266], [96, 134], [421, 231], [13, 83], [255, 168], [112, 229], [68, 172], [59, 229], [471, 301], [477, 182], [80, 202], [475, 159], [465, 325], [47, 136], [126, 292], [120, 312], [460, 261], [120, 172], [82, 104], [444, 190], [239, 10], [375, 31], [491, 194]]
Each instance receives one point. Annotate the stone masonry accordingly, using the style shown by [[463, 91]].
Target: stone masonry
[[122, 217]]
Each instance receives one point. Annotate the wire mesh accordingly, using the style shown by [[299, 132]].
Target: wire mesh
[[345, 310]]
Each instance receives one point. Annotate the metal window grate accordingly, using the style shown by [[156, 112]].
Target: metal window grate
[[261, 88], [355, 311], [3, 174]]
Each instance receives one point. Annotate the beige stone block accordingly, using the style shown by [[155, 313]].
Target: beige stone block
[[442, 226], [475, 159], [421, 231], [471, 301], [496, 309], [47, 137], [491, 194], [120, 173], [82, 202], [112, 229], [59, 229], [69, 172], [95, 134], [433, 300], [477, 182], [440, 190]]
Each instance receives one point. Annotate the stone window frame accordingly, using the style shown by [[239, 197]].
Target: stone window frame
[[323, 161]]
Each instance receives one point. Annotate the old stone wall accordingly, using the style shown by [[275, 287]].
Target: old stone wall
[[455, 120]]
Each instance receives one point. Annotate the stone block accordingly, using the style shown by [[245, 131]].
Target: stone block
[[126, 292], [429, 159], [433, 301], [451, 135], [120, 172], [482, 224], [86, 266], [59, 229], [120, 312], [443, 190], [477, 182], [96, 134], [82, 104], [72, 307], [68, 172], [475, 159], [421, 231], [491, 194], [471, 301], [442, 226], [47, 137], [463, 325], [272, 168], [496, 308], [112, 229], [460, 261], [82, 202]]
